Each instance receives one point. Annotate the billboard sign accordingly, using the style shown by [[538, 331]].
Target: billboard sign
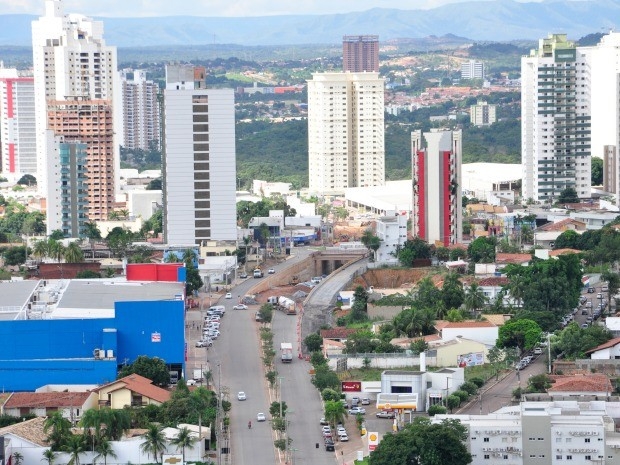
[[565, 55], [351, 386], [470, 360]]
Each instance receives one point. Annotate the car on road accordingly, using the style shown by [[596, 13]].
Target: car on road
[[538, 350], [228, 295], [261, 417], [343, 437], [326, 428], [329, 445], [604, 289], [204, 343], [584, 312], [355, 400], [241, 396], [323, 421], [385, 414], [584, 325], [240, 307], [590, 290], [357, 411], [243, 275], [365, 401], [271, 271]]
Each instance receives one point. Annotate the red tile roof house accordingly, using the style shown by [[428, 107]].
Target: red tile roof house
[[607, 351], [491, 286], [504, 259], [70, 404], [580, 385], [132, 390]]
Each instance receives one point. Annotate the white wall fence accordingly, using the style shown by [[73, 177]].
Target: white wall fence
[[386, 361]]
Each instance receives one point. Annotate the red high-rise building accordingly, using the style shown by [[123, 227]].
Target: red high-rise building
[[360, 53], [436, 170]]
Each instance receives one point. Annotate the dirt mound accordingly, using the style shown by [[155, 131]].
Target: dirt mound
[[390, 279], [351, 231]]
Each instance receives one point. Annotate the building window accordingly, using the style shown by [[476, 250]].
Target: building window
[[558, 457], [487, 456], [569, 457], [587, 439], [486, 439], [505, 456]]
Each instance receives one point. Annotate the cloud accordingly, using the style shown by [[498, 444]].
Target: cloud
[[137, 8]]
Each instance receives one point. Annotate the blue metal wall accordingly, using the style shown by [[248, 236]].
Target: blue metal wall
[[38, 352]]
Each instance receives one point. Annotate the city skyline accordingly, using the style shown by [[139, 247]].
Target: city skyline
[[214, 8]]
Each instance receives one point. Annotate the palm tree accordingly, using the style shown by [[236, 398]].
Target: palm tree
[[189, 256], [49, 456], [114, 216], [56, 250], [41, 249], [517, 288], [154, 442], [74, 447], [335, 412], [475, 298], [117, 422], [92, 420], [58, 428], [104, 449], [73, 253], [246, 242], [92, 232], [184, 439]]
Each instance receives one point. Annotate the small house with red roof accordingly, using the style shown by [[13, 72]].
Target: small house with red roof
[[607, 351], [133, 390], [71, 405]]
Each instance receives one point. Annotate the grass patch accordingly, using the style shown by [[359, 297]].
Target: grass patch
[[480, 371], [361, 462]]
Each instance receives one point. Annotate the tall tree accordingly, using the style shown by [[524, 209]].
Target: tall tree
[[452, 291], [154, 442], [523, 334], [92, 232], [475, 299], [75, 446], [73, 253], [335, 412], [183, 439], [58, 429], [104, 450]]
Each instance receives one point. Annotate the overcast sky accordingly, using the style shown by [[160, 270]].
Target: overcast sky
[[133, 8]]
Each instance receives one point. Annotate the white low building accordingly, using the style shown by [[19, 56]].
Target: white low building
[[534, 433], [479, 331], [392, 232]]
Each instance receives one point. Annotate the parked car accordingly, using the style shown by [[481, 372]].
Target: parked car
[[343, 437], [329, 445], [240, 307], [584, 325], [365, 401], [584, 312], [204, 343], [604, 289], [228, 295], [323, 421], [386, 414], [590, 290], [326, 429], [241, 396], [327, 434], [261, 417], [355, 400], [243, 275], [538, 350], [357, 411]]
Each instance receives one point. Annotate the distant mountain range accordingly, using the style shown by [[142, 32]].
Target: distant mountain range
[[497, 20]]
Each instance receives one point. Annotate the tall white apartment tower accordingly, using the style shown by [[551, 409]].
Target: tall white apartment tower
[[604, 61], [555, 120], [17, 125], [198, 159], [74, 75], [140, 110], [346, 145]]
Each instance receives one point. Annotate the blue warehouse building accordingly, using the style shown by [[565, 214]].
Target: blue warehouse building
[[82, 331]]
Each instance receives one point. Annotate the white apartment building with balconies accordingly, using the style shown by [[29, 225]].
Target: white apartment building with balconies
[[346, 145], [392, 232]]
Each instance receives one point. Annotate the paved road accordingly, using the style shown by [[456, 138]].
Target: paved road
[[235, 361]]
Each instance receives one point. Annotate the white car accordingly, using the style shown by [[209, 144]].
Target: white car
[[204, 343], [357, 411], [343, 436], [241, 396], [271, 271], [261, 417], [228, 295], [240, 307]]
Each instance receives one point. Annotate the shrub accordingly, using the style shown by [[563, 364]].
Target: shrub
[[479, 382], [463, 395], [330, 394], [469, 387], [436, 409]]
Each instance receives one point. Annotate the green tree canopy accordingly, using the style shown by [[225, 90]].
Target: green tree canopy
[[424, 443], [523, 334], [568, 195], [574, 341], [482, 250], [153, 368]]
